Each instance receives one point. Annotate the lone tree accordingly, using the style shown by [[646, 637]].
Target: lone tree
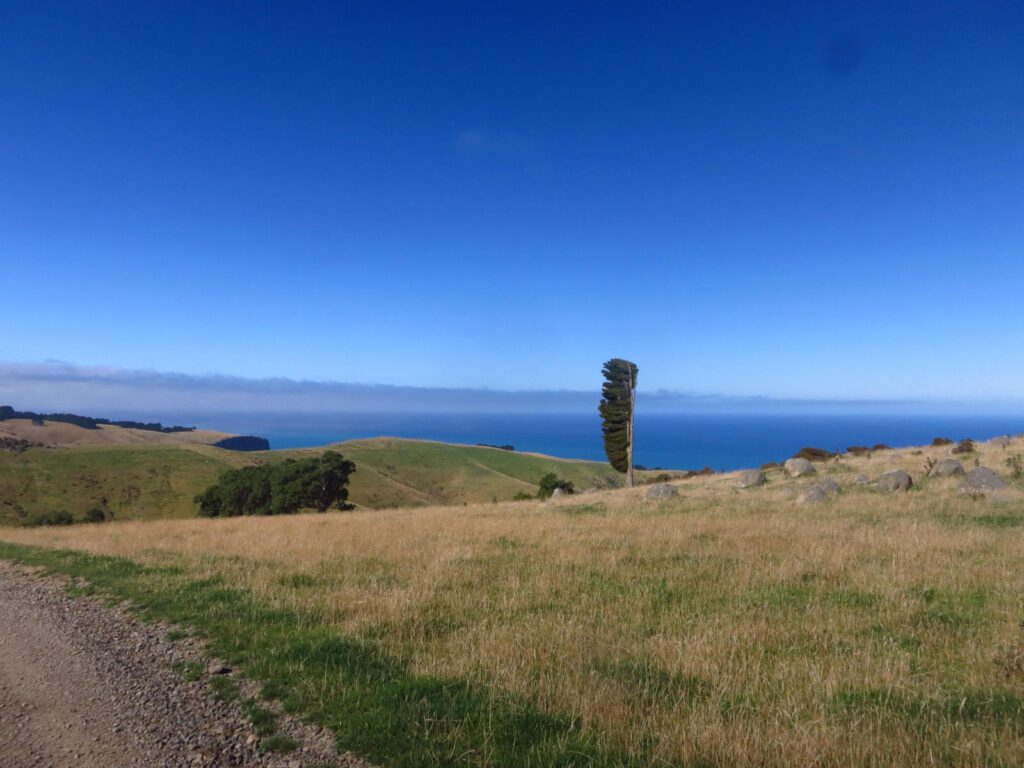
[[618, 398]]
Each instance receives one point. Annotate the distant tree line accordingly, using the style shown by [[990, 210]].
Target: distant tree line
[[86, 422], [282, 488], [499, 447]]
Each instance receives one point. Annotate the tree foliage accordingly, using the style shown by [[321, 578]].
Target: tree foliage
[[550, 482], [618, 397], [279, 489]]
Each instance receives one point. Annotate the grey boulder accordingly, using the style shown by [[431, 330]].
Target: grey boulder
[[799, 467], [820, 491], [662, 491], [947, 468], [750, 478], [982, 480], [861, 479], [895, 480], [557, 493]]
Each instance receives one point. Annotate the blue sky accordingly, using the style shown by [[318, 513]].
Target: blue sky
[[792, 200]]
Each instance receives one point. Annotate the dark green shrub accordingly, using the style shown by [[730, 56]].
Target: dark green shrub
[[858, 450], [95, 515], [940, 441], [550, 482], [964, 446], [59, 517], [881, 447], [282, 488], [523, 496]]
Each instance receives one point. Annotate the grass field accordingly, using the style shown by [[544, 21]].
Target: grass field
[[160, 481], [718, 628]]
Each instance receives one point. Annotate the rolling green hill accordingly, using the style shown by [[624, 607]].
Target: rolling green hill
[[160, 481]]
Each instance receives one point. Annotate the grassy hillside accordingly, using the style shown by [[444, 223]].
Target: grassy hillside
[[721, 627], [160, 481]]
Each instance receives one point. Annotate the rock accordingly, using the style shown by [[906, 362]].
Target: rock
[[828, 485], [895, 480], [813, 495], [861, 479], [662, 491], [216, 668], [947, 468], [557, 493], [750, 478], [799, 467], [982, 480]]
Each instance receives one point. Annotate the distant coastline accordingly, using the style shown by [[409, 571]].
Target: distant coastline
[[685, 441]]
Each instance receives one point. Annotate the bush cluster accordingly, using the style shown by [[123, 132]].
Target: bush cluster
[[814, 454], [964, 446], [279, 489], [550, 482]]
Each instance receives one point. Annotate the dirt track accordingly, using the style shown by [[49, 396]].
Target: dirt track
[[84, 686]]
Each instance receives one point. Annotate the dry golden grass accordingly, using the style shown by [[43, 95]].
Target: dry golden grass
[[726, 626]]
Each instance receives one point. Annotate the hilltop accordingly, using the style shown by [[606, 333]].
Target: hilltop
[[152, 476]]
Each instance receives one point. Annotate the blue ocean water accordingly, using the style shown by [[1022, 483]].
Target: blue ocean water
[[677, 441]]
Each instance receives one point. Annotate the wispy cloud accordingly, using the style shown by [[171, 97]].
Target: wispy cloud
[[113, 392], [473, 142]]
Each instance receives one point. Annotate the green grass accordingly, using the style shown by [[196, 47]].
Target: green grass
[[138, 481], [372, 701], [150, 482]]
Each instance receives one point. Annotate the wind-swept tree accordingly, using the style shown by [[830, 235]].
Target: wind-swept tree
[[618, 398]]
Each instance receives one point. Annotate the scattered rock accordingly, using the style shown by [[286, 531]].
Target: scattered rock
[[982, 480], [216, 668], [828, 485], [557, 493], [799, 467], [662, 491], [861, 479], [820, 491], [895, 480], [947, 468], [813, 495], [750, 478]]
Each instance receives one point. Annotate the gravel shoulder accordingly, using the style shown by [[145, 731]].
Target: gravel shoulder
[[87, 686]]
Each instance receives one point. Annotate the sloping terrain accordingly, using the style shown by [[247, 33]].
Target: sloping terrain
[[145, 481], [705, 625], [56, 433]]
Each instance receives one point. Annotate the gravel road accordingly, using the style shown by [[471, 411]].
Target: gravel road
[[86, 686]]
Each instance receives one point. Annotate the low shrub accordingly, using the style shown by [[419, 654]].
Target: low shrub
[[770, 465], [1016, 466], [814, 454], [881, 447], [964, 446], [550, 482], [698, 472], [95, 515], [858, 450], [59, 517], [940, 441]]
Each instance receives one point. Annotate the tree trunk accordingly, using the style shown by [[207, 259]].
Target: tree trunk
[[629, 431]]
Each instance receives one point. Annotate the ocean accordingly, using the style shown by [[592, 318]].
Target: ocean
[[678, 441]]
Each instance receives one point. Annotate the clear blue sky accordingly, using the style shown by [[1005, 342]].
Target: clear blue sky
[[782, 199]]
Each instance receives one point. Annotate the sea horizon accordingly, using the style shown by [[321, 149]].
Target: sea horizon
[[669, 441]]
